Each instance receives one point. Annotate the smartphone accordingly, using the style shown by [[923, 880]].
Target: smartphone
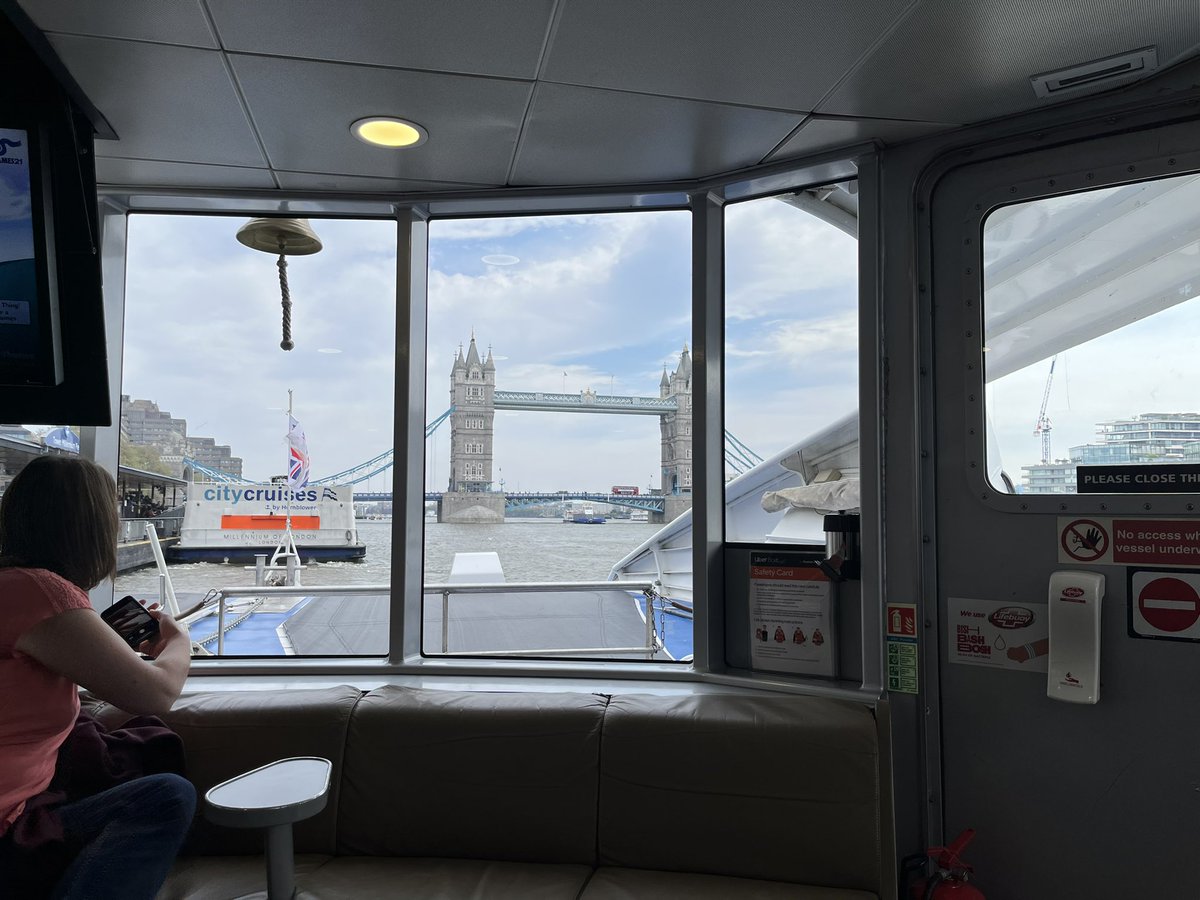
[[129, 619]]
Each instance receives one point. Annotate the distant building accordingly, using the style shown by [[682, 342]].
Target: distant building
[[472, 394], [1149, 437], [676, 427], [1056, 477], [208, 452], [1145, 438], [144, 423], [148, 426]]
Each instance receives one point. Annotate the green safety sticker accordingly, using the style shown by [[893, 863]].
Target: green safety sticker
[[902, 647]]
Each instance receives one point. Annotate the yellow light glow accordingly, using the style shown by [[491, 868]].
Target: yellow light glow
[[389, 132]]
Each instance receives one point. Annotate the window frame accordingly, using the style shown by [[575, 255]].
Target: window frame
[[960, 202], [705, 200]]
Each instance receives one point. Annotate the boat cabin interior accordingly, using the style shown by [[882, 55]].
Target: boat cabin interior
[[993, 244]]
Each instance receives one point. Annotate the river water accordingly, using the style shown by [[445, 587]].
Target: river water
[[529, 550]]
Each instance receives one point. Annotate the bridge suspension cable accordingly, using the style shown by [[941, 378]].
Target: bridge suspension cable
[[213, 474], [740, 457]]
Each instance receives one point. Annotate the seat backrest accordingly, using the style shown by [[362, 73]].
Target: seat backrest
[[227, 733], [783, 788], [504, 776]]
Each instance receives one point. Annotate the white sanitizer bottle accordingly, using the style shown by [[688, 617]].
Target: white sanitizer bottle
[[1073, 672]]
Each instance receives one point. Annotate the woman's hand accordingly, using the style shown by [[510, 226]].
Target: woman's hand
[[169, 630]]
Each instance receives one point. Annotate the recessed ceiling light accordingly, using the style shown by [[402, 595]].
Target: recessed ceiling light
[[328, 350], [386, 131], [501, 259]]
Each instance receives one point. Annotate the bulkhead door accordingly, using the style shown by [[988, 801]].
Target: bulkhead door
[[1065, 343]]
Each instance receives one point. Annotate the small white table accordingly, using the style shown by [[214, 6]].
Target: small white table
[[273, 797]]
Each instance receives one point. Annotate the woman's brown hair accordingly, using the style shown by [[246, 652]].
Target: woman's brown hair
[[60, 513]]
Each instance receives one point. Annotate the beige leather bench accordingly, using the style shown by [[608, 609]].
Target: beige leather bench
[[456, 794]]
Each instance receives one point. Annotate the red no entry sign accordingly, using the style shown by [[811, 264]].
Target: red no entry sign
[[1169, 604]]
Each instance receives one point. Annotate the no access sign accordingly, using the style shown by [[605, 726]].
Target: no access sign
[[1164, 605], [1108, 541]]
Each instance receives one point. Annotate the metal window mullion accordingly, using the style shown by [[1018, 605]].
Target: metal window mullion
[[408, 488], [99, 443], [708, 435]]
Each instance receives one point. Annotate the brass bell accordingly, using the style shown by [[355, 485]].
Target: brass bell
[[291, 237], [287, 237]]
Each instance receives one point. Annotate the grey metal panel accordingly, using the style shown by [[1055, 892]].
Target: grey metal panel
[[503, 39], [320, 181], [112, 170], [1102, 784], [177, 22], [969, 62], [776, 53], [168, 103], [828, 132], [577, 135], [472, 122]]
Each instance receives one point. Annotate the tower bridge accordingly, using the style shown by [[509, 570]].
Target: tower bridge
[[469, 496]]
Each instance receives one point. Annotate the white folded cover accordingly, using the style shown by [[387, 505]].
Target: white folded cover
[[842, 495]]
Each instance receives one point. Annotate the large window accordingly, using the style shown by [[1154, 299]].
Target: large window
[[558, 388], [205, 450], [1090, 323], [791, 363]]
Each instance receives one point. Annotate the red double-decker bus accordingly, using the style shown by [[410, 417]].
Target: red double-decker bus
[[627, 490]]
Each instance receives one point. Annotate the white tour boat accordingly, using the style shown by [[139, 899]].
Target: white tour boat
[[225, 522]]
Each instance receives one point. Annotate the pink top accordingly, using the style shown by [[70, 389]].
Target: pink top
[[39, 707]]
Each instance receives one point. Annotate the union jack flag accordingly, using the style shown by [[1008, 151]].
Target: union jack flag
[[297, 454]]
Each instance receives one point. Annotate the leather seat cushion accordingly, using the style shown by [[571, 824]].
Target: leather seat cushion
[[637, 884]]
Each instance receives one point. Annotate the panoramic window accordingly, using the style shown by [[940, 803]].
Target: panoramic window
[[1090, 318], [558, 441], [791, 364], [239, 495]]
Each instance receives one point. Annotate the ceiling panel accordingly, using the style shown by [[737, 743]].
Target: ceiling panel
[[177, 22], [170, 103], [579, 135], [819, 133], [308, 181], [952, 61], [776, 53], [303, 112], [490, 38], [152, 173]]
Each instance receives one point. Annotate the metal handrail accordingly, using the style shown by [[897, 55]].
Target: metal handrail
[[447, 590]]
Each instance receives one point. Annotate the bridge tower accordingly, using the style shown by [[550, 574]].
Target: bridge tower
[[469, 497], [676, 429]]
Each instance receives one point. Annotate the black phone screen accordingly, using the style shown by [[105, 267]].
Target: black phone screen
[[130, 620]]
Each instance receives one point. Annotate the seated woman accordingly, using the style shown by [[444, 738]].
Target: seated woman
[[58, 536]]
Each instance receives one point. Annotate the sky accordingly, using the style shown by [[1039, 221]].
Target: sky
[[597, 302]]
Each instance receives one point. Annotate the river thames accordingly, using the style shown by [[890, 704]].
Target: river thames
[[529, 550]]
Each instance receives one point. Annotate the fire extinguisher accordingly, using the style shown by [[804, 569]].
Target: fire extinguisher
[[951, 880]]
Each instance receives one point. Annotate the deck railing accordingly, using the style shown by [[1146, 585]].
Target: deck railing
[[652, 645], [135, 529]]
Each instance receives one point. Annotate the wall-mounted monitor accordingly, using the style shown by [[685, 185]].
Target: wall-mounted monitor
[[30, 341], [53, 355]]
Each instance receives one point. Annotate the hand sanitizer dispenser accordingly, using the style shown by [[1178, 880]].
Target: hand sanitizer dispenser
[[1073, 671]]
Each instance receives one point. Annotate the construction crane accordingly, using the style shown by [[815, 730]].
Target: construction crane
[[1042, 427]]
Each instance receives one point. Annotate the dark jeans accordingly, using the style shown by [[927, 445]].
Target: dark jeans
[[130, 835]]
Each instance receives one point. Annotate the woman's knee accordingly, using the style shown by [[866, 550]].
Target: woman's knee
[[172, 796]]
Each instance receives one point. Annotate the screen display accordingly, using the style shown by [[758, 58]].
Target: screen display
[[20, 317], [131, 621]]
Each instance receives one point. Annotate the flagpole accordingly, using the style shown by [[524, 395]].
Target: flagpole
[[288, 495]]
